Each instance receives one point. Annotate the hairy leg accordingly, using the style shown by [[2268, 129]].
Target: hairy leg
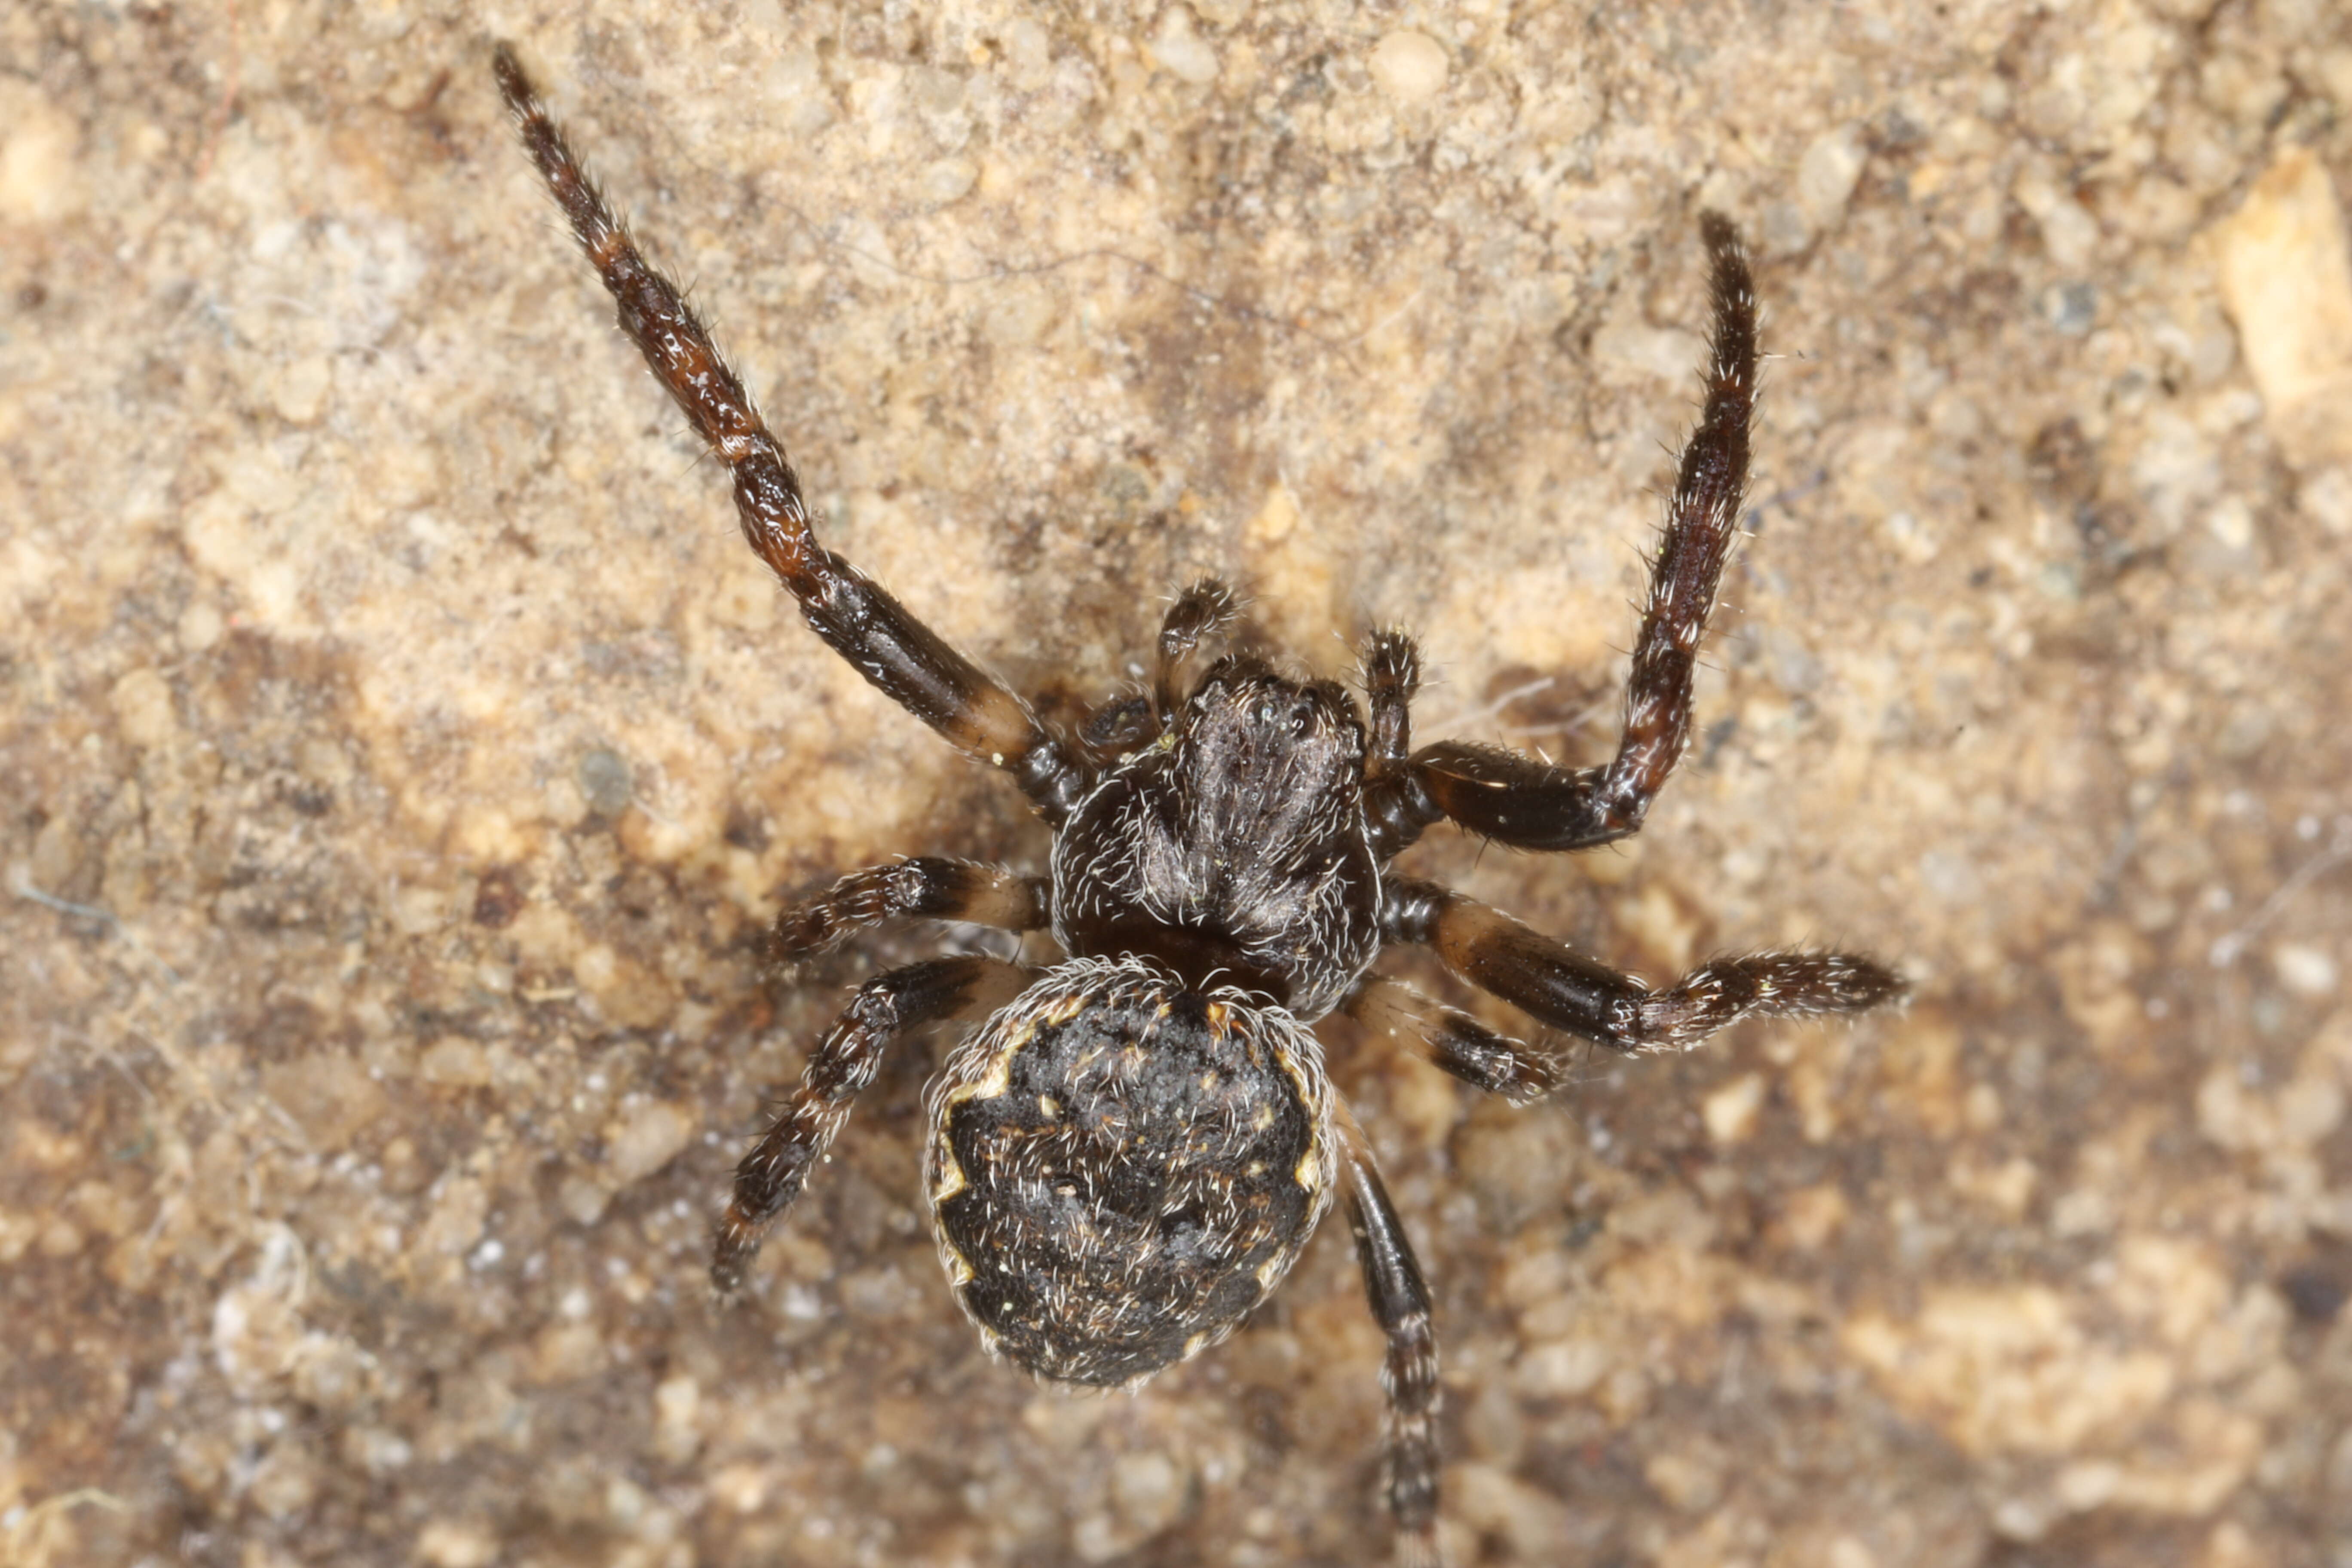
[[922, 887], [1200, 613], [1123, 724], [886, 1009], [1401, 1305], [1393, 798], [1519, 801], [1456, 1042], [1587, 998], [866, 625]]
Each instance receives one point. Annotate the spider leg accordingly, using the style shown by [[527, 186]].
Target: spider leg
[[1401, 1305], [1129, 723], [886, 1009], [922, 887], [1519, 801], [906, 659], [1587, 998], [1456, 1042], [1392, 666], [1201, 612]]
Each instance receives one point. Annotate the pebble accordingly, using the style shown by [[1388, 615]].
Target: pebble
[[1147, 1491], [1730, 1112], [604, 779], [2286, 280], [650, 1136], [143, 705], [1181, 52], [1409, 67], [40, 181], [1827, 174], [2303, 970]]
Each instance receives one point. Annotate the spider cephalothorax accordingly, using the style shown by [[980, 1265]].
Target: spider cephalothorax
[[1130, 1147], [1148, 862]]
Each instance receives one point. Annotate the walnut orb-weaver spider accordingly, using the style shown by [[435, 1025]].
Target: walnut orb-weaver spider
[[1132, 1148]]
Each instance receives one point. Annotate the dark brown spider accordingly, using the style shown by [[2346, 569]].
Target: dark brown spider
[[1129, 1152]]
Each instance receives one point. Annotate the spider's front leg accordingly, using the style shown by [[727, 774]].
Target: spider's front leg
[[1587, 998], [906, 659], [1201, 612], [886, 1010], [1515, 799]]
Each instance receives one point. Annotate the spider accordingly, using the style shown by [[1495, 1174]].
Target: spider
[[1131, 1146]]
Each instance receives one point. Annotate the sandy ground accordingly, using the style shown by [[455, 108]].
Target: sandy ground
[[401, 755]]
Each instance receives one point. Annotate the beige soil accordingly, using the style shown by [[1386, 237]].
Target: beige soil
[[400, 755]]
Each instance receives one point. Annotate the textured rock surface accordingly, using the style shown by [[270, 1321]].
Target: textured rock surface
[[400, 755]]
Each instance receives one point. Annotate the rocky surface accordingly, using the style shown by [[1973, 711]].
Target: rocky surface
[[400, 756]]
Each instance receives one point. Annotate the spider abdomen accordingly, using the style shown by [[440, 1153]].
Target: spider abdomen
[[1122, 1168]]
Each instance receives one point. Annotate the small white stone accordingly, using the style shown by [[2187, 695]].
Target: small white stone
[[650, 1136], [1147, 1491], [2286, 279], [1629, 348], [1827, 174], [2310, 1108], [677, 1415], [456, 1543], [2070, 233], [143, 706], [1730, 1112], [299, 390], [2231, 522], [949, 181], [455, 1062], [2326, 498], [1848, 1552], [2087, 1484], [40, 181], [1181, 52], [2305, 969], [1687, 1484], [1563, 1369], [1409, 67]]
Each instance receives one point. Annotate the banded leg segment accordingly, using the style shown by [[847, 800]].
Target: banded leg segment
[[922, 887], [891, 649], [1456, 1042], [1519, 801], [1401, 1305], [1588, 999], [886, 1009]]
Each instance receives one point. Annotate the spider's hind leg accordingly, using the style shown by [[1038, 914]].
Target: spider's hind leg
[[1456, 1043], [922, 887], [1401, 1305], [886, 1010]]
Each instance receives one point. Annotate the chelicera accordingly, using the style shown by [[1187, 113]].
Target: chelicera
[[1130, 1146]]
